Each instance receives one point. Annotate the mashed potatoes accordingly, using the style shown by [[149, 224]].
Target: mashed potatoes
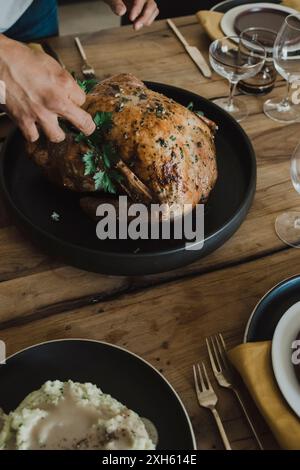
[[70, 415]]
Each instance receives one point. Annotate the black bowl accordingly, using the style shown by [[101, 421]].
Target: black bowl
[[117, 372]]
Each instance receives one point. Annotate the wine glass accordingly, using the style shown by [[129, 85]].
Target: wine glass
[[286, 56], [287, 225], [236, 59]]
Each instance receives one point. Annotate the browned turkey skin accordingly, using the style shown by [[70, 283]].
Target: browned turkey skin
[[167, 152]]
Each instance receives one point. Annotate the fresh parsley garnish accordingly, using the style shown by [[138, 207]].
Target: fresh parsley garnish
[[109, 156], [162, 142], [104, 181], [103, 120], [81, 137], [101, 157], [116, 176], [89, 163]]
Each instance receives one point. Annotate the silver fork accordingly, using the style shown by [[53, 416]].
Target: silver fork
[[224, 374], [207, 398], [87, 70]]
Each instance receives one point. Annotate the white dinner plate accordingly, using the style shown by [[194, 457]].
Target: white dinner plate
[[285, 333], [228, 20]]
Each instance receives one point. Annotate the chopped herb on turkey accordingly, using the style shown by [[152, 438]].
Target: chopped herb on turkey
[[162, 142]]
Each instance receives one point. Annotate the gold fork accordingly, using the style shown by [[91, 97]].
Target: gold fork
[[87, 70], [224, 374], [207, 398]]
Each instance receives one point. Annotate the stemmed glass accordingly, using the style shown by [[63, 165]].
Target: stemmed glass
[[286, 56], [287, 225], [236, 59]]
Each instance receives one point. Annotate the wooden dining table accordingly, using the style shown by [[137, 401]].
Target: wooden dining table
[[166, 317]]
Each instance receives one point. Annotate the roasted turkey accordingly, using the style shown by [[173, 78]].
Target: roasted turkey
[[166, 152]]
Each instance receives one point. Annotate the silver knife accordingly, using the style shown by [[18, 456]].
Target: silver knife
[[193, 51]]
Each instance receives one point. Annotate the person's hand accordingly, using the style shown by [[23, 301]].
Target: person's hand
[[38, 91], [141, 12]]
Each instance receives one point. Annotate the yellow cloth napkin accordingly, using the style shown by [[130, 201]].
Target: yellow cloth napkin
[[292, 4], [210, 20], [253, 362]]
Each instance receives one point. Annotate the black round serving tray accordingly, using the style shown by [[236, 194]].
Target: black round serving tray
[[116, 371], [32, 199]]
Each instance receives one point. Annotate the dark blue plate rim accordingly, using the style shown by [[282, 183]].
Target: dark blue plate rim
[[263, 299]]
